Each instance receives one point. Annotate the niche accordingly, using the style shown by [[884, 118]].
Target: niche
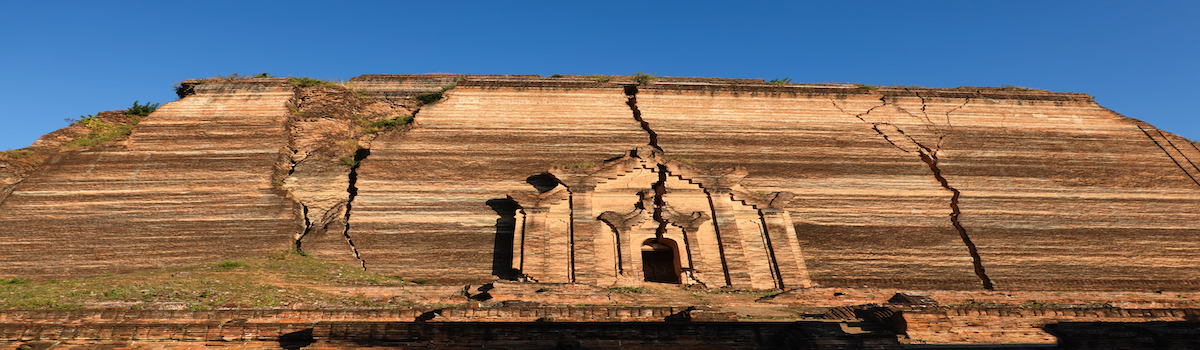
[[659, 261]]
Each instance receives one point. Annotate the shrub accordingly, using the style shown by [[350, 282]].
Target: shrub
[[1008, 87], [102, 131], [601, 78], [781, 82], [421, 281], [14, 280], [556, 76], [387, 124], [431, 97], [263, 75], [347, 161], [643, 78], [310, 82], [141, 110], [866, 87], [184, 90], [19, 153], [230, 264]]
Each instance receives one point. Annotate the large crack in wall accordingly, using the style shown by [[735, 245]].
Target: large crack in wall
[[1168, 153], [929, 156], [631, 91], [660, 186], [352, 190], [331, 134]]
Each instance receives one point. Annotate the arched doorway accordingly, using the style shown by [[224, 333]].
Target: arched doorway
[[658, 261]]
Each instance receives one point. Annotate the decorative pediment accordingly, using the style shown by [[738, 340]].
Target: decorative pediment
[[534, 199], [643, 217]]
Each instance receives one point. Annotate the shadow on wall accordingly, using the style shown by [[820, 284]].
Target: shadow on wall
[[502, 253], [1126, 335], [297, 340]]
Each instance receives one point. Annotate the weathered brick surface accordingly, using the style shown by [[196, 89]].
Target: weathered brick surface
[[422, 208], [454, 335], [1057, 192], [1020, 325], [193, 183]]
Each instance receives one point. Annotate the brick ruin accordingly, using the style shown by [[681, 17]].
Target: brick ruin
[[836, 195]]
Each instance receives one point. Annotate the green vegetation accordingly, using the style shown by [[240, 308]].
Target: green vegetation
[[556, 76], [781, 82], [1007, 87], [601, 78], [101, 132], [230, 264], [387, 124], [348, 161], [972, 303], [19, 153], [421, 281], [431, 97], [643, 78], [682, 160], [866, 87], [14, 280], [624, 289], [579, 165], [311, 82], [273, 281], [138, 111]]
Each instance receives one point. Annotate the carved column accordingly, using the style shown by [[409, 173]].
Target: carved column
[[730, 238], [786, 246], [699, 270], [535, 249], [543, 241]]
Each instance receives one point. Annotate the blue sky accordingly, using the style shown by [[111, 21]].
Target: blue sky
[[63, 59]]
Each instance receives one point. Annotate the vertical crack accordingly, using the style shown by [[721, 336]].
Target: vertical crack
[[352, 189], [929, 157], [660, 189], [307, 226], [660, 186], [571, 236], [631, 91]]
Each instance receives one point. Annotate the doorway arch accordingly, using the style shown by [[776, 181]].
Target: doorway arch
[[660, 260]]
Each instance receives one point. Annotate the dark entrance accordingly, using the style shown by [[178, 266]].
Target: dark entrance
[[658, 262]]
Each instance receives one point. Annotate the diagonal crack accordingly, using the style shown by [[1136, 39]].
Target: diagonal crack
[[352, 189], [930, 158], [1184, 155], [964, 104], [631, 91], [1164, 149]]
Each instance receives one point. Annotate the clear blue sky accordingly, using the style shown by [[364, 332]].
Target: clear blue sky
[[63, 59]]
